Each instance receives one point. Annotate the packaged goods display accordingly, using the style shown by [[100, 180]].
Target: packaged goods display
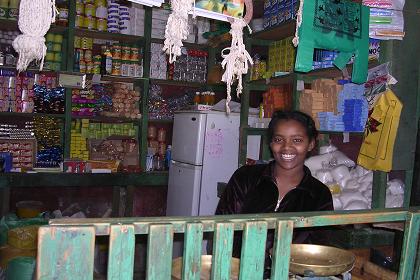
[[163, 108], [276, 98], [335, 105], [109, 100], [48, 133], [22, 151], [281, 56], [279, 11], [117, 59], [259, 68], [53, 58]]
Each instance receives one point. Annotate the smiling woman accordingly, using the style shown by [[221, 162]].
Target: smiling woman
[[284, 184]]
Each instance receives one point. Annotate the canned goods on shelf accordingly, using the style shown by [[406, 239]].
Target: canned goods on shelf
[[58, 38], [57, 57], [50, 37], [49, 56], [79, 21], [87, 55], [80, 8], [90, 10], [89, 23], [101, 24], [56, 47], [101, 12], [77, 42]]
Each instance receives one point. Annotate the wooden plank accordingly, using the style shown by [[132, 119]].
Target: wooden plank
[[379, 189], [191, 268], [409, 250], [281, 250], [121, 252], [65, 252], [5, 200], [253, 250], [303, 219], [222, 251], [159, 252]]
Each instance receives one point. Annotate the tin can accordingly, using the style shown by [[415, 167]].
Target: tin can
[[56, 47], [49, 56], [125, 52], [57, 57], [87, 55], [50, 37], [82, 66], [79, 21], [90, 10], [77, 42], [58, 38], [89, 23], [101, 24], [80, 8], [89, 67], [116, 67], [116, 51]]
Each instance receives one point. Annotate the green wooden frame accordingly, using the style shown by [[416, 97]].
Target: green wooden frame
[[65, 247]]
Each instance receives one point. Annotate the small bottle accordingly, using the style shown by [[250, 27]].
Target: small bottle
[[106, 68], [196, 99], [168, 156], [212, 98]]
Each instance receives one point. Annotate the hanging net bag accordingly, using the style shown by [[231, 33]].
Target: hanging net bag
[[35, 18], [177, 28]]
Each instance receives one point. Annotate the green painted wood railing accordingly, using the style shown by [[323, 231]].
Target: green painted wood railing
[[66, 247]]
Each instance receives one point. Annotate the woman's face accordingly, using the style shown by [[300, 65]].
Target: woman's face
[[290, 144]]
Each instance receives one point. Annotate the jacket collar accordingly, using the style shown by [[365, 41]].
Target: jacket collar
[[305, 184]]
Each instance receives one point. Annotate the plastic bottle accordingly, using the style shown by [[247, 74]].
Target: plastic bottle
[[196, 99], [168, 156]]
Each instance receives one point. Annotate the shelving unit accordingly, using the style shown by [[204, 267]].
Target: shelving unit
[[390, 51]]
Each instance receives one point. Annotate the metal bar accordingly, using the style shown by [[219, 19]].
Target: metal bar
[[159, 252], [379, 189], [65, 252], [191, 267], [222, 251], [253, 250], [410, 243], [281, 250], [121, 252]]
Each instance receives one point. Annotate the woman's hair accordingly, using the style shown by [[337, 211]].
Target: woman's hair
[[307, 122]]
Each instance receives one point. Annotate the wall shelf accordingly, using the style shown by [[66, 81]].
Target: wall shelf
[[15, 114], [83, 180], [108, 35]]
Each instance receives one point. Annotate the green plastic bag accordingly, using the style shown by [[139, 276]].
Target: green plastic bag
[[21, 268], [337, 25], [11, 221]]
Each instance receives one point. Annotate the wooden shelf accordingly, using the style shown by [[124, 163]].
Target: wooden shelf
[[108, 119], [177, 83], [276, 33], [12, 25], [185, 44], [112, 78], [15, 114], [161, 121], [108, 35], [83, 180], [261, 131]]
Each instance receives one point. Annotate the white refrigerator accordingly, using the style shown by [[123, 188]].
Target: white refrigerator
[[205, 152]]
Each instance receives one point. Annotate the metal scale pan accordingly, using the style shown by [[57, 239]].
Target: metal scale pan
[[317, 260]]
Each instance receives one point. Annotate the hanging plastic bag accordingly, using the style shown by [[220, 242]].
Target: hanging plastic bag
[[333, 25], [381, 130]]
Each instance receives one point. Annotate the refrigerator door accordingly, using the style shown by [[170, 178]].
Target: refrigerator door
[[183, 189], [188, 137], [220, 157]]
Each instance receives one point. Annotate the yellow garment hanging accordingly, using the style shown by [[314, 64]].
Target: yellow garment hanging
[[381, 129]]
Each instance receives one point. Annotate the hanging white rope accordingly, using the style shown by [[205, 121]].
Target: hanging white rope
[[236, 61], [177, 28], [295, 40], [35, 18]]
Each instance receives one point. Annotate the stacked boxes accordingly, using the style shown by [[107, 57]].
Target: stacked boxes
[[158, 67], [84, 129], [353, 106], [281, 56], [322, 97], [276, 98], [159, 19], [137, 19], [78, 144], [279, 11], [324, 59]]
